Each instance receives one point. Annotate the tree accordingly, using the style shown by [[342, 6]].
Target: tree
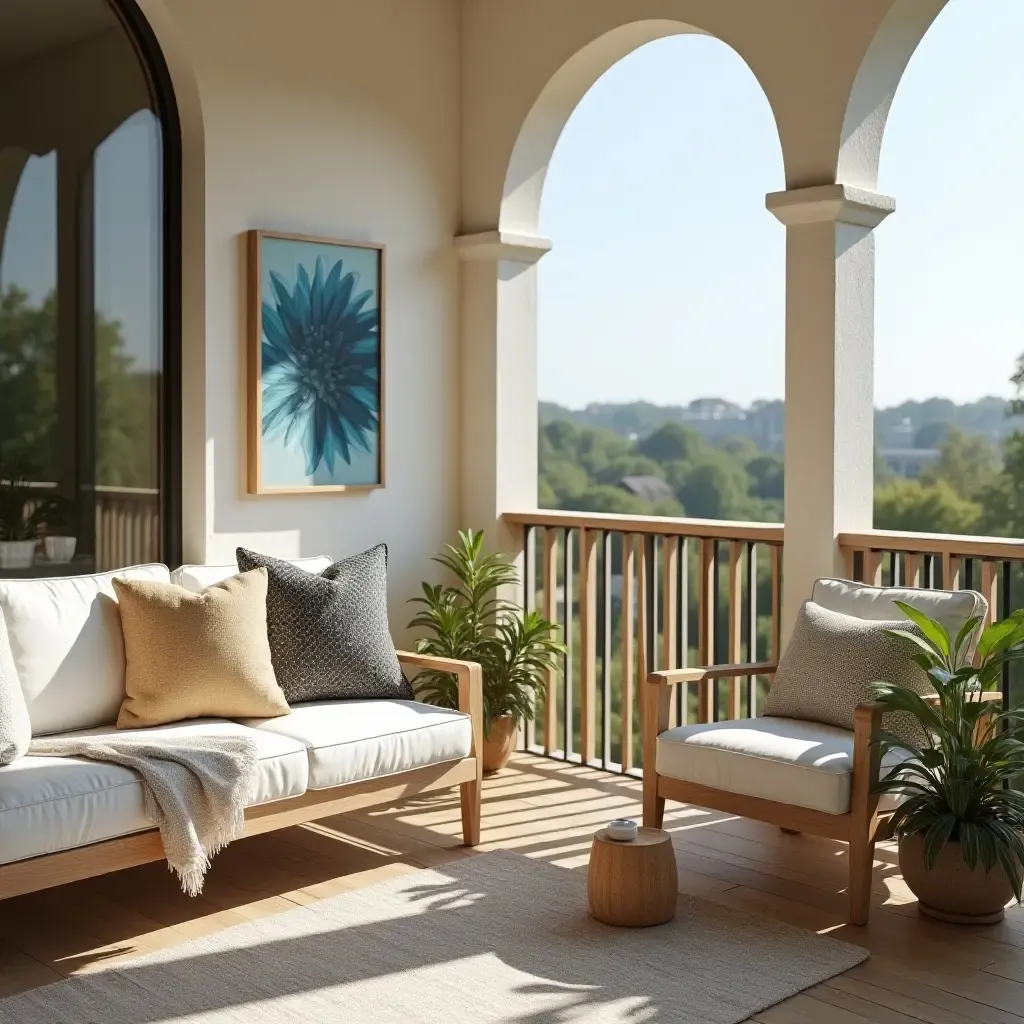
[[125, 399], [672, 442], [767, 473], [924, 508], [716, 488], [967, 462]]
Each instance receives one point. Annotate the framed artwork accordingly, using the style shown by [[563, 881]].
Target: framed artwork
[[315, 364]]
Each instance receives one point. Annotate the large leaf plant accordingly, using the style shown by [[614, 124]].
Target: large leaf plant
[[471, 620], [955, 785]]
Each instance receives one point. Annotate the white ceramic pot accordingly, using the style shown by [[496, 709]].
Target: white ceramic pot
[[60, 549], [16, 554]]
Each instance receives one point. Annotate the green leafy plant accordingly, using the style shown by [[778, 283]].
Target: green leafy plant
[[19, 507], [471, 621], [954, 784]]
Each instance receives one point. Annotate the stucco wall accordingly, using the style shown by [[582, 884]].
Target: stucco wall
[[335, 118]]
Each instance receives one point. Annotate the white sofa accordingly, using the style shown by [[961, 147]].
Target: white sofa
[[68, 818]]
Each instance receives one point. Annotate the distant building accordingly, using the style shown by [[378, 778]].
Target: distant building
[[909, 461], [650, 488]]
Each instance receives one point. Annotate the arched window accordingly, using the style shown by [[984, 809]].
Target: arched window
[[89, 337]]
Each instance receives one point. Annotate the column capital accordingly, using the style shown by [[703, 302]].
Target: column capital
[[502, 245], [841, 204]]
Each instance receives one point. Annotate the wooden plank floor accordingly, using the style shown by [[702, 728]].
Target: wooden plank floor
[[919, 970]]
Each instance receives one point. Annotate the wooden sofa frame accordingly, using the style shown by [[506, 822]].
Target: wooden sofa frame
[[861, 827], [100, 858]]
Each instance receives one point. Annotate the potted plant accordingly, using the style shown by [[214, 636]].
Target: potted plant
[[960, 827], [19, 522], [471, 621], [57, 517]]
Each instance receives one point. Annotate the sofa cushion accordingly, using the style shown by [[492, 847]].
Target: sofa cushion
[[199, 577], [65, 636], [49, 804], [202, 655], [329, 636], [783, 759], [366, 739], [15, 727]]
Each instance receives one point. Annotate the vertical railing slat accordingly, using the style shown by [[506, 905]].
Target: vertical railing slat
[[735, 655], [550, 599], [705, 623], [669, 611], [626, 649], [588, 643]]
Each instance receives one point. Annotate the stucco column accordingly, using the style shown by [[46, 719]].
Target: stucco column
[[498, 458], [830, 302]]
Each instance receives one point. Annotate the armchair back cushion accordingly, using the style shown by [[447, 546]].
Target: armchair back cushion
[[831, 661], [950, 607], [839, 647], [67, 646]]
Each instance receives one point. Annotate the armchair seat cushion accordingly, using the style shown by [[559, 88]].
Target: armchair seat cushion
[[352, 740], [787, 760]]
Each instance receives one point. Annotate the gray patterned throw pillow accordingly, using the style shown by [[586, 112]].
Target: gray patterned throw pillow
[[329, 636], [829, 664]]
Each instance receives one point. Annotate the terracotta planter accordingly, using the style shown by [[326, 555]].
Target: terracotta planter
[[499, 743], [951, 891]]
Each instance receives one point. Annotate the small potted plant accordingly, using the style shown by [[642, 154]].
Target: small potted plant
[[960, 827], [471, 621], [57, 517], [19, 522]]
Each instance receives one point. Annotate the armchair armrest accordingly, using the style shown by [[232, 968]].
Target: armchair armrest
[[471, 688], [677, 676]]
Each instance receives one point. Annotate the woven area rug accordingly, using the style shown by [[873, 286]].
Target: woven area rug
[[490, 938]]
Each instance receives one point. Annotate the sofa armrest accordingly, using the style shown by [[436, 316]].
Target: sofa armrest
[[471, 688]]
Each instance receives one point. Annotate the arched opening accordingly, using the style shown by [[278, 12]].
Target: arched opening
[[949, 327], [661, 307], [660, 320], [89, 290]]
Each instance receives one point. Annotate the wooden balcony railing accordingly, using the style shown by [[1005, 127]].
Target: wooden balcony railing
[[127, 527], [636, 594], [994, 566]]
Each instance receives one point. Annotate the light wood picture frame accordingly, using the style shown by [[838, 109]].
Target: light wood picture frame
[[315, 364]]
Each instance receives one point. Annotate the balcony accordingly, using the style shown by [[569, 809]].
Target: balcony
[[547, 811]]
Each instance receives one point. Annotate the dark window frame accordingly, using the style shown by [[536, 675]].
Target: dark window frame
[[161, 88]]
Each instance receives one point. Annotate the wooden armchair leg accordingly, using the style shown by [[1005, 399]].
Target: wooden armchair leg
[[863, 809], [654, 805], [470, 798], [862, 859], [654, 720]]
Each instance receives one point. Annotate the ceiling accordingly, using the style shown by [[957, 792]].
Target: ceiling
[[31, 28]]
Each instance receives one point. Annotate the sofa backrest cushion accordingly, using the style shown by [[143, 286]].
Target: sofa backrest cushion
[[199, 577], [65, 637], [950, 607]]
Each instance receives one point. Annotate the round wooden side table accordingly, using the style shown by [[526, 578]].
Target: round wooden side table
[[633, 884]]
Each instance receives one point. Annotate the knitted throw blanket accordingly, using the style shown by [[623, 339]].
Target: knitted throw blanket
[[196, 789]]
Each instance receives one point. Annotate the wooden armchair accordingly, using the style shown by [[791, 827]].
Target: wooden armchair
[[800, 775]]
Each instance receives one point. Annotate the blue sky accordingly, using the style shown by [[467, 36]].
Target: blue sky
[[667, 274]]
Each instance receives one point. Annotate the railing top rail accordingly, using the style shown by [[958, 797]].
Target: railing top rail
[[1007, 549], [661, 526]]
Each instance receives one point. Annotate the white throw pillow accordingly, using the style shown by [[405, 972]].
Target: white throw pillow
[[15, 727], [65, 638], [199, 577]]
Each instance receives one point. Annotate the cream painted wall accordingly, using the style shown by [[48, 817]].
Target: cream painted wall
[[337, 118]]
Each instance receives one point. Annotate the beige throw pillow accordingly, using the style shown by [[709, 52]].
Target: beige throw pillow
[[197, 655]]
